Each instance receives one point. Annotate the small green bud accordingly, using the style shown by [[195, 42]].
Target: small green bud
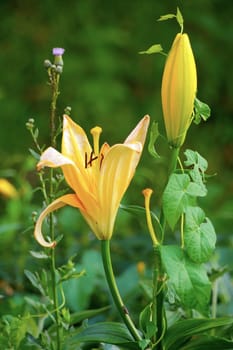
[[47, 64]]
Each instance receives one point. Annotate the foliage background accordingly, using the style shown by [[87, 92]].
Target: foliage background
[[105, 81]]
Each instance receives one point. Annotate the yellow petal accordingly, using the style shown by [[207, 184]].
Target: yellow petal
[[69, 199], [75, 143], [116, 173], [139, 132]]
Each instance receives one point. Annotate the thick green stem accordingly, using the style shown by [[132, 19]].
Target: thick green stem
[[171, 170], [158, 299], [107, 263]]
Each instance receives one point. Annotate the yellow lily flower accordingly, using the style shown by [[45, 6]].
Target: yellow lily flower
[[179, 86], [7, 189], [98, 177]]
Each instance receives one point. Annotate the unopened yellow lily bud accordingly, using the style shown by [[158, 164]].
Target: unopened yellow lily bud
[[179, 86]]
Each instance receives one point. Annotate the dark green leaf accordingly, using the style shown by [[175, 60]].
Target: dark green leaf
[[188, 279], [208, 342], [181, 331], [199, 235]]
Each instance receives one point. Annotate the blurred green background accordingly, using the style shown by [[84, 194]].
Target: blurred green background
[[106, 82]]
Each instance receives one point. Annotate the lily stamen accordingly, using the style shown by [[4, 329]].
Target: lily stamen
[[96, 136], [90, 160]]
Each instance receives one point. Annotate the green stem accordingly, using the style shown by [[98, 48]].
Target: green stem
[[158, 299], [107, 263], [171, 170]]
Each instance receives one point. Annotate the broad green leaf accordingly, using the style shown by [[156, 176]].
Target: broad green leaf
[[105, 332], [156, 48], [188, 279], [154, 134], [199, 235], [181, 331], [178, 194], [194, 158]]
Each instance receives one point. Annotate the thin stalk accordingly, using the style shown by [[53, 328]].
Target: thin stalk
[[55, 93], [107, 263]]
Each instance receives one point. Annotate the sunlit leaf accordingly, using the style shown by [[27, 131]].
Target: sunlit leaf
[[188, 279], [156, 48], [199, 235]]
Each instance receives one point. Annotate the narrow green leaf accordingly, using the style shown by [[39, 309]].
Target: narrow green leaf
[[199, 235], [188, 279], [179, 18], [106, 332], [181, 331], [166, 17], [86, 314], [34, 154], [156, 48]]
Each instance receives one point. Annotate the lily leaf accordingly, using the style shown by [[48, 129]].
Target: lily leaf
[[188, 279], [105, 332], [199, 235], [180, 332]]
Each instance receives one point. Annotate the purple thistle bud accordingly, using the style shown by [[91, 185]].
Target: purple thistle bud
[[58, 51]]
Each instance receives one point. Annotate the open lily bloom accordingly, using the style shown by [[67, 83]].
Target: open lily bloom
[[98, 177]]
